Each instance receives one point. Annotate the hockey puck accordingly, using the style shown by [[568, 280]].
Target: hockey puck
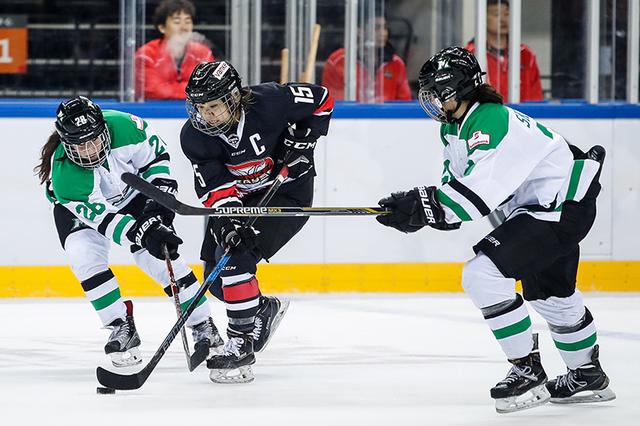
[[105, 391]]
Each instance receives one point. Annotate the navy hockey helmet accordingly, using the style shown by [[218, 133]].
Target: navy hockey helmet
[[452, 73], [213, 94], [83, 132]]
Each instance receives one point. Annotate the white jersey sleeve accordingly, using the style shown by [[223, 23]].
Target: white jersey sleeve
[[492, 156]]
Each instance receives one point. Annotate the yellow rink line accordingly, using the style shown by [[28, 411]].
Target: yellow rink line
[[58, 281]]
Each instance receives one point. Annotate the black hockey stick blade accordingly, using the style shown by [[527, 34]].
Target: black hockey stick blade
[[198, 357], [151, 191], [122, 381], [134, 381], [170, 202]]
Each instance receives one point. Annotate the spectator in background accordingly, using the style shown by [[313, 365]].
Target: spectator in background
[[391, 75], [163, 65], [497, 55]]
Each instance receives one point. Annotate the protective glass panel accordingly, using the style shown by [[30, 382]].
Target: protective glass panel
[[419, 29], [613, 50], [374, 72], [563, 67], [174, 41], [366, 25], [51, 51], [535, 50], [330, 14], [273, 42]]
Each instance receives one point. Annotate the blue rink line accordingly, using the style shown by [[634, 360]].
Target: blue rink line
[[33, 108]]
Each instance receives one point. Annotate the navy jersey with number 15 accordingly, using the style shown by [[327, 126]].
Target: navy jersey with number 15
[[228, 166]]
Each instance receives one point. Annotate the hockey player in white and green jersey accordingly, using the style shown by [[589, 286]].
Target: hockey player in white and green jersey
[[81, 164], [496, 158]]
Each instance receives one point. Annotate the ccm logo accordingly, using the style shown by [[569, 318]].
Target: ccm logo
[[300, 145], [426, 205]]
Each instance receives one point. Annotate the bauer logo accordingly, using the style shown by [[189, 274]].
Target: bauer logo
[[492, 240], [426, 205], [221, 70]]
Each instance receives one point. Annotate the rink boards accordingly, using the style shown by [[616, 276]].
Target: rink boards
[[369, 152]]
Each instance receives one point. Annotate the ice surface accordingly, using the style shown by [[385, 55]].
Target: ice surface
[[336, 360]]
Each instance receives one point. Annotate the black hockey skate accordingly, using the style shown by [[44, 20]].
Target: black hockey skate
[[205, 335], [524, 386], [587, 383], [124, 341], [233, 365], [270, 313]]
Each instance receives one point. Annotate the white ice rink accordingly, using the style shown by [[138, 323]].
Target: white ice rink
[[336, 360]]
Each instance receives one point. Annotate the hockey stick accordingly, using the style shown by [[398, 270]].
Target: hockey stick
[[135, 381], [172, 203], [176, 301], [284, 65]]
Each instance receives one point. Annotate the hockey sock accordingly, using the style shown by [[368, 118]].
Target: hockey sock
[[241, 297], [187, 291], [103, 292], [575, 342], [511, 325]]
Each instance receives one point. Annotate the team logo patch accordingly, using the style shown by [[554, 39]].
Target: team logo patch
[[221, 70], [250, 175], [478, 138]]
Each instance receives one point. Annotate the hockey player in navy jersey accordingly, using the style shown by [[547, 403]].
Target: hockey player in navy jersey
[[498, 158], [237, 139]]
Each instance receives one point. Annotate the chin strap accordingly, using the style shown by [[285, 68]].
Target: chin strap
[[450, 114]]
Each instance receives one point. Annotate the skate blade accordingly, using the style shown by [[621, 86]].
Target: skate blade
[[532, 398], [603, 395], [242, 374], [126, 358], [284, 306]]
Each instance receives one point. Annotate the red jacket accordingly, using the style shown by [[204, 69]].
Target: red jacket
[[392, 74], [498, 71], [158, 74]]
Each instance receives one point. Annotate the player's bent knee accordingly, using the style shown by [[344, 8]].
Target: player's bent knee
[[485, 284]]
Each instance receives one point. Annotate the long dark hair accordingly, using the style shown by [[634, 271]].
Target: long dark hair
[[486, 94], [43, 170], [246, 98]]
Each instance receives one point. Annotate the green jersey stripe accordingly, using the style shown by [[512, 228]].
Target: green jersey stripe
[[184, 305], [513, 329], [575, 179], [106, 300], [455, 207], [156, 170], [117, 232], [577, 346]]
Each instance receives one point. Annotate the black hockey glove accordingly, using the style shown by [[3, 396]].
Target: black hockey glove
[[233, 233], [151, 234], [413, 210], [153, 208], [299, 145]]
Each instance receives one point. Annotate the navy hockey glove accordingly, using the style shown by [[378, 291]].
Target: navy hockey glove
[[413, 210], [153, 208], [299, 143], [233, 233], [151, 234]]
